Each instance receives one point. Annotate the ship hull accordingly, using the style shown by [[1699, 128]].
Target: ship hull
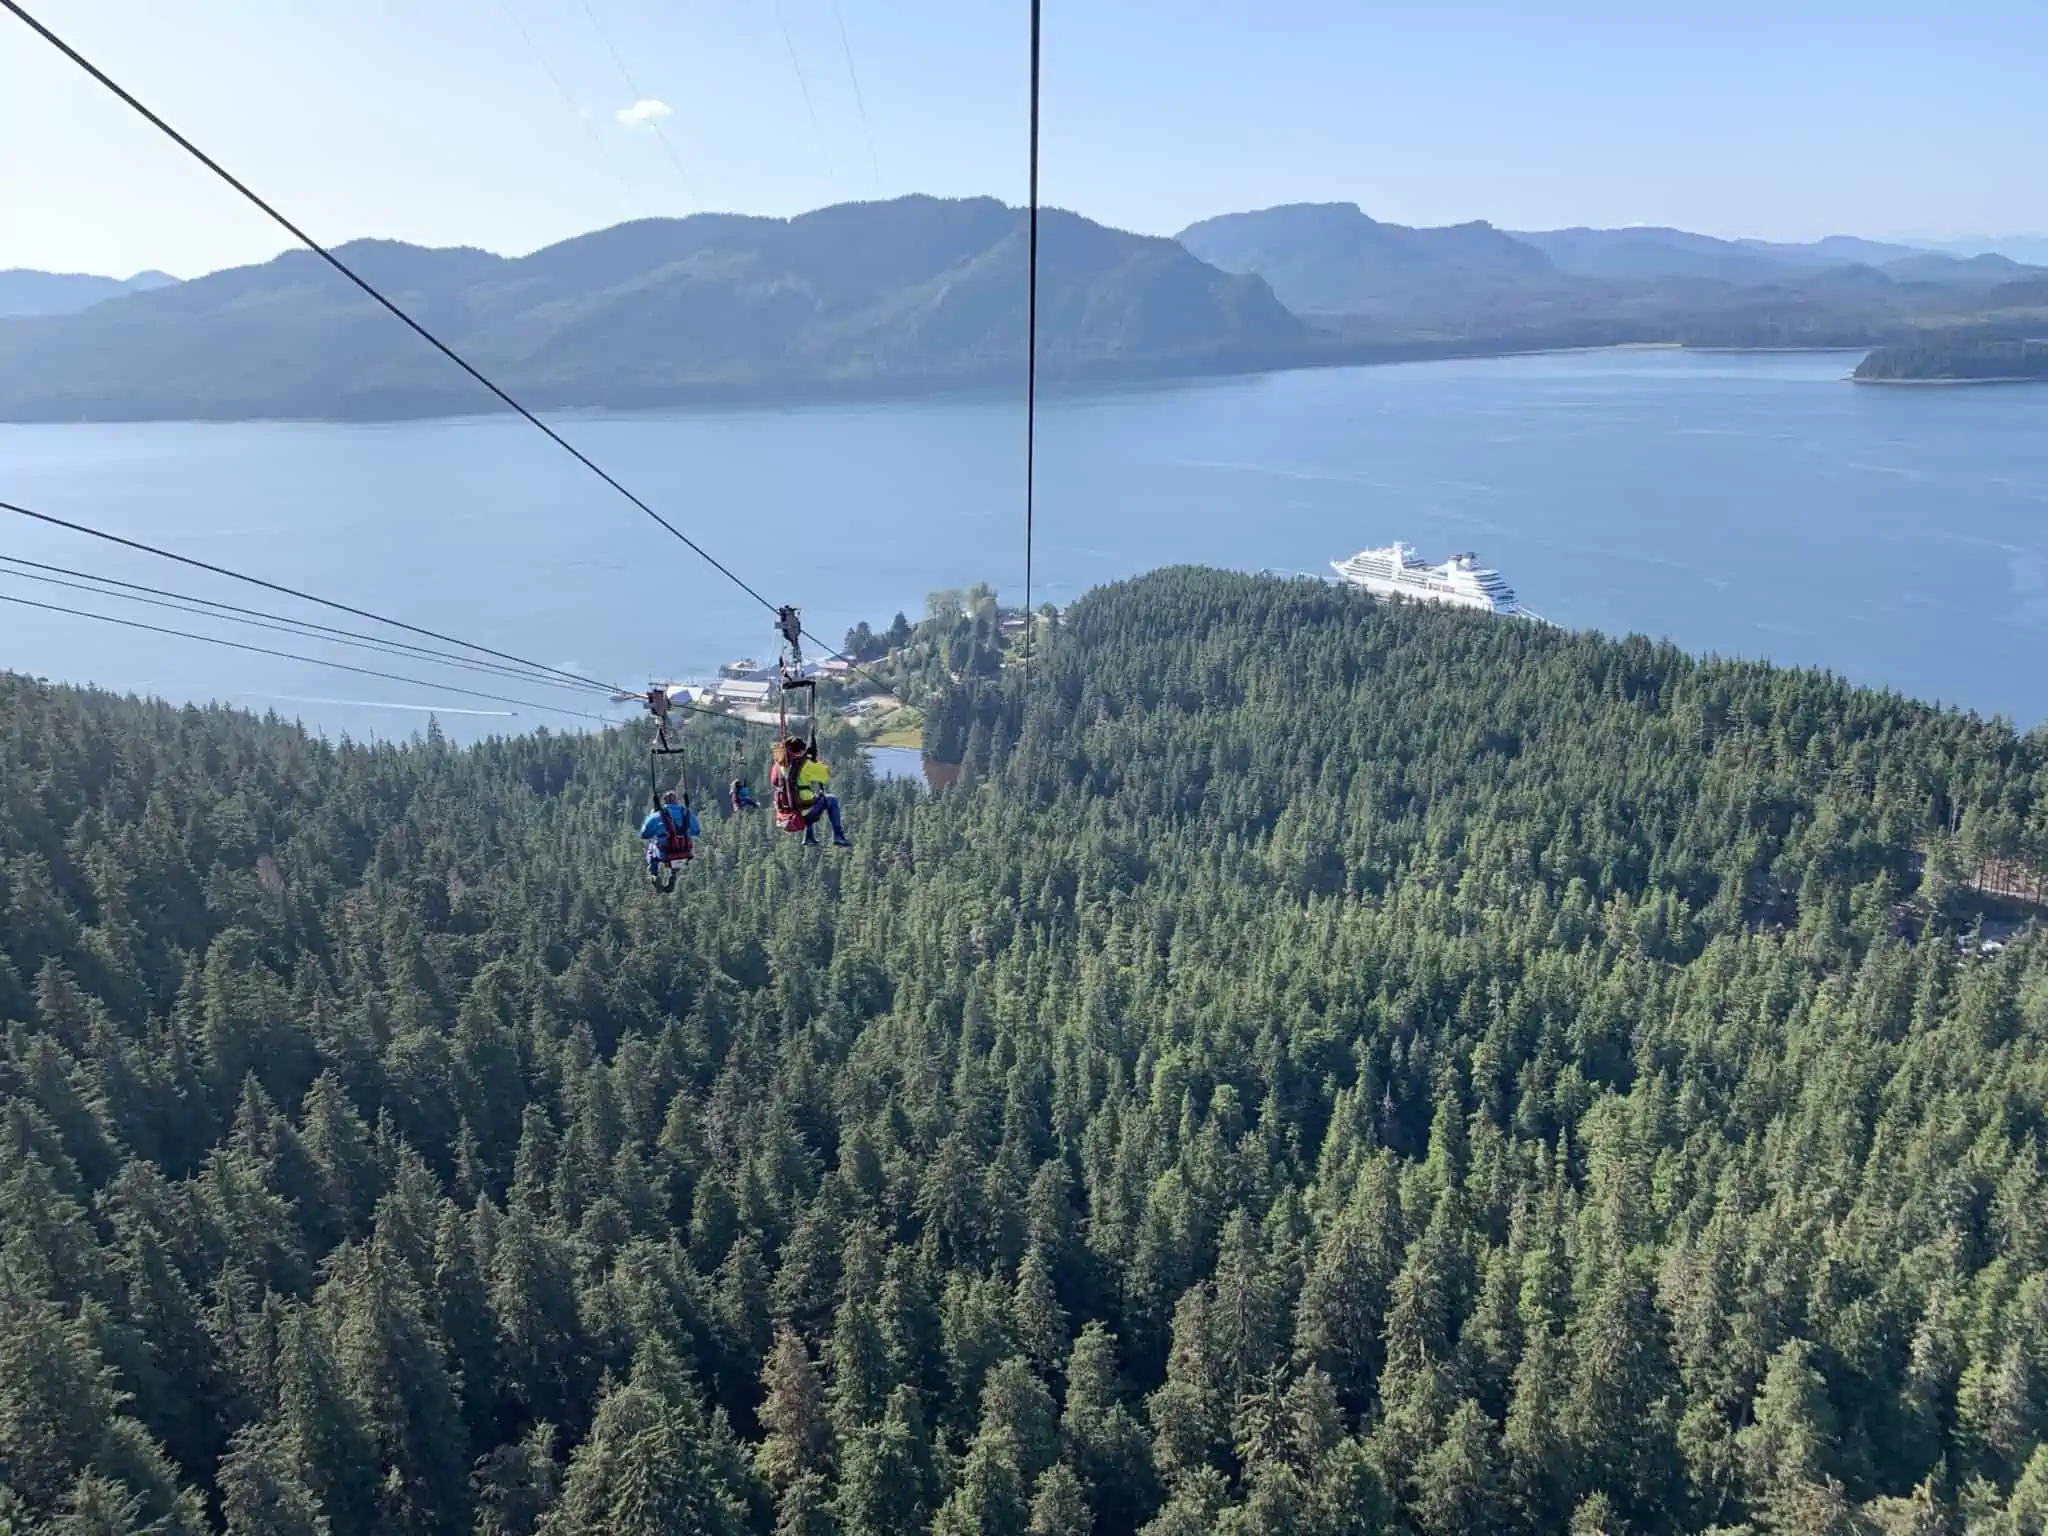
[[1419, 594]]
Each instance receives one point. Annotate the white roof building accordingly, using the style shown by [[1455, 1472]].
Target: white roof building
[[742, 694]]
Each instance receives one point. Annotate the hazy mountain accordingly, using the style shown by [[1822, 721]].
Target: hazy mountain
[[1976, 271], [1389, 290], [1330, 258], [1645, 251], [2031, 249], [25, 292], [1835, 250], [913, 294]]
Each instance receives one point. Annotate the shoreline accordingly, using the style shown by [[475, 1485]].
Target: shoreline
[[2020, 378], [1766, 350], [718, 401]]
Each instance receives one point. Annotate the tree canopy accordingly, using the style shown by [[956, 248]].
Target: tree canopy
[[1323, 1067]]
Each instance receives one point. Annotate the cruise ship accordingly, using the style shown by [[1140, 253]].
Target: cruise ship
[[1461, 581]]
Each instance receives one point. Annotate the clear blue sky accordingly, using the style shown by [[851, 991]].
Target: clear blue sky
[[436, 121]]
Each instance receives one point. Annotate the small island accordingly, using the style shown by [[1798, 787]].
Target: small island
[[1956, 360]]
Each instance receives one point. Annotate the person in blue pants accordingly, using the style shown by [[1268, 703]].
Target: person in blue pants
[[667, 833]]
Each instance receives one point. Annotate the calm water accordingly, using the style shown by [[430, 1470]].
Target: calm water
[[1745, 504], [896, 763]]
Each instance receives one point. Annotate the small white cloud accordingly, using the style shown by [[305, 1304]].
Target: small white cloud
[[645, 113]]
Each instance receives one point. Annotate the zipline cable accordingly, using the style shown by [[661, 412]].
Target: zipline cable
[[569, 100], [859, 101], [213, 165], [304, 597], [257, 618], [803, 85], [626, 75], [1031, 350], [264, 650], [370, 289], [572, 680]]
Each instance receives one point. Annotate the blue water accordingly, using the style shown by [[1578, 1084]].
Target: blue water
[[896, 763], [1754, 505]]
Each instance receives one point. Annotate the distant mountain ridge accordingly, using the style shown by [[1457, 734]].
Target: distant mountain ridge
[[1331, 258], [1468, 287], [913, 294], [920, 294], [2031, 250], [1645, 251], [26, 292]]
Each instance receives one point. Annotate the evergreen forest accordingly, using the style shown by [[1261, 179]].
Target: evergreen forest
[[1324, 1067]]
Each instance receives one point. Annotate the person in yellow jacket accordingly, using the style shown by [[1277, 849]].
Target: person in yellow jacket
[[799, 778]]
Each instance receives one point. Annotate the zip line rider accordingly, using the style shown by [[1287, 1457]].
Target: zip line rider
[[799, 778], [658, 701], [667, 833]]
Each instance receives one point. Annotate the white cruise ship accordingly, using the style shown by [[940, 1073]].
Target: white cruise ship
[[1461, 581]]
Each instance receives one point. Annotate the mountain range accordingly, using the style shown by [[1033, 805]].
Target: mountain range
[[921, 294], [23, 292], [914, 294], [1331, 260]]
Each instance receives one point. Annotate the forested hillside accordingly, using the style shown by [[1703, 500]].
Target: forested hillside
[[1324, 1069], [905, 296]]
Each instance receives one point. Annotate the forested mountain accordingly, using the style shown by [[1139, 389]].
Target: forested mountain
[[918, 293], [1330, 258], [1325, 1068], [921, 294], [1474, 288], [23, 292]]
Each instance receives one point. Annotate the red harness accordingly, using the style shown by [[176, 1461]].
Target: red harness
[[789, 813], [675, 843]]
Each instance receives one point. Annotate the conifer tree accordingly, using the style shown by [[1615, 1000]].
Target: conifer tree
[[326, 1430], [516, 1484], [391, 1362], [1059, 1507], [1038, 1322], [1018, 1413], [1107, 1445], [989, 1498], [1457, 1483], [796, 1423], [887, 1482], [262, 1490]]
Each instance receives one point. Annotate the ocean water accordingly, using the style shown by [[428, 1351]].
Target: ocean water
[[1745, 504]]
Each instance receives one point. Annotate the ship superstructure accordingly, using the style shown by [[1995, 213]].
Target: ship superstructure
[[1461, 581]]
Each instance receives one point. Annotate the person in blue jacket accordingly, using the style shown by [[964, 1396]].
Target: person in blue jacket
[[667, 833]]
